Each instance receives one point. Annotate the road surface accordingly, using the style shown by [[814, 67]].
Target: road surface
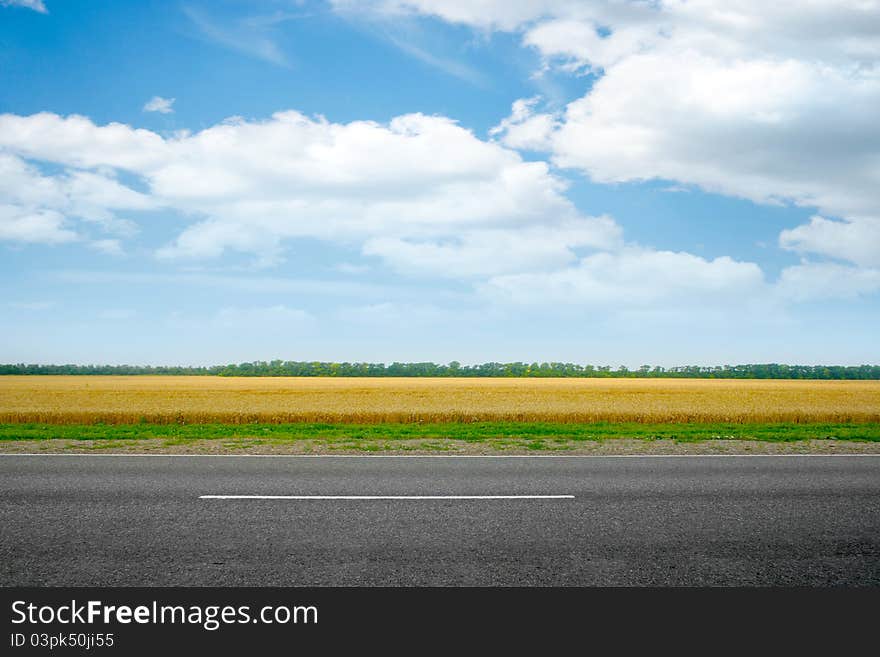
[[145, 520]]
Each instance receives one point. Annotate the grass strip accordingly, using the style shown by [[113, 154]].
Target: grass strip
[[539, 434]]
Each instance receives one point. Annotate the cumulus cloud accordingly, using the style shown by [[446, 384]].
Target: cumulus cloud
[[772, 102], [74, 141], [524, 129], [251, 185], [768, 131], [159, 104], [631, 277], [856, 241], [828, 30], [40, 208], [419, 192]]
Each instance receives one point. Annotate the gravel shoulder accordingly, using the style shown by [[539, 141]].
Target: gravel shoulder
[[610, 447]]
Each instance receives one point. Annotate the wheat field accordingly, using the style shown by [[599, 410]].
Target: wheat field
[[184, 399]]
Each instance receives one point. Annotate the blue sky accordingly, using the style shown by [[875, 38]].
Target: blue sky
[[608, 182]]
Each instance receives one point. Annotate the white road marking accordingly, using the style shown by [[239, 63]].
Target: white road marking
[[386, 497]]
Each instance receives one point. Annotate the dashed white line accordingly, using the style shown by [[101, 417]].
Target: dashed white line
[[386, 497]]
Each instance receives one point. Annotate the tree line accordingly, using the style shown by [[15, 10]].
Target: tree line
[[456, 369]]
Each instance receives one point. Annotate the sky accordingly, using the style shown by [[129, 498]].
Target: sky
[[610, 182]]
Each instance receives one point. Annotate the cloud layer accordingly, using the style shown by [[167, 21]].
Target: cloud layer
[[772, 102], [420, 191]]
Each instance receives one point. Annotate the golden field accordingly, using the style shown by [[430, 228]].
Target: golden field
[[193, 399]]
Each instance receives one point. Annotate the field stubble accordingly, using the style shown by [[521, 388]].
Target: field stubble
[[200, 400]]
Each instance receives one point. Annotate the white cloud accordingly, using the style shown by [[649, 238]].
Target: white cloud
[[75, 141], [818, 281], [22, 184], [578, 45], [856, 241], [634, 277], [773, 102], [252, 185], [36, 5], [18, 224], [762, 130], [498, 251], [40, 208], [588, 31], [159, 104], [420, 192], [524, 129]]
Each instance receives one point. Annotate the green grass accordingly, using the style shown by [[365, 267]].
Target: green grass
[[537, 436]]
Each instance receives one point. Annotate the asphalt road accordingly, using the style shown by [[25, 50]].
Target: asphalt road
[[128, 520]]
